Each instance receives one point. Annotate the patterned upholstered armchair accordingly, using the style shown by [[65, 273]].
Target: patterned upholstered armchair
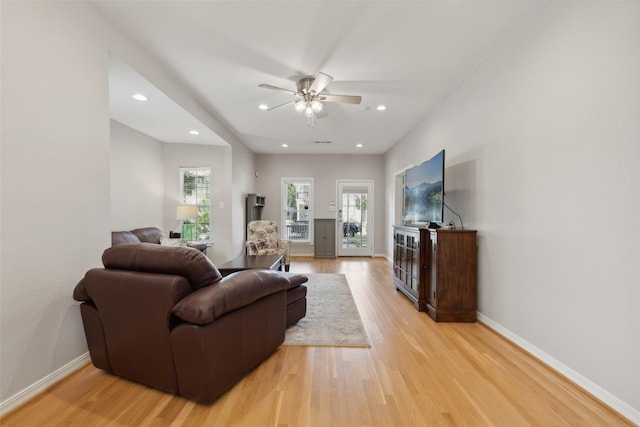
[[263, 239]]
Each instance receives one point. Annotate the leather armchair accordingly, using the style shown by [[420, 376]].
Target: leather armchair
[[164, 316], [263, 239]]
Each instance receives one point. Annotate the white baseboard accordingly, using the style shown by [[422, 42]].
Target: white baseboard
[[301, 254], [29, 392], [612, 401]]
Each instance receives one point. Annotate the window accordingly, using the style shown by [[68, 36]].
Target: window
[[297, 208], [195, 189]]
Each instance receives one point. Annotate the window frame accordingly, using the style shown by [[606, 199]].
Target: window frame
[[201, 206], [309, 214]]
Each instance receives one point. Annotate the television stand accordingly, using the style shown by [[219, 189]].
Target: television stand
[[437, 271]]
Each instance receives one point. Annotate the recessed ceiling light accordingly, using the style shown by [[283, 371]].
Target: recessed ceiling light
[[139, 97], [285, 145], [263, 107], [194, 132], [359, 145], [381, 107]]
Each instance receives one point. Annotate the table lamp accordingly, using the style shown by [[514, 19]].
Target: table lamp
[[186, 213]]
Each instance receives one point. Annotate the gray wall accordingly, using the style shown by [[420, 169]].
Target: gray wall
[[56, 197], [55, 183], [145, 181], [325, 169], [542, 147], [137, 179]]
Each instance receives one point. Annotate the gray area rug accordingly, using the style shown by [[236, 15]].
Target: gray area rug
[[332, 316]]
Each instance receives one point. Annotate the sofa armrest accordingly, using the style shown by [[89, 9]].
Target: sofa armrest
[[232, 292], [80, 292], [286, 244]]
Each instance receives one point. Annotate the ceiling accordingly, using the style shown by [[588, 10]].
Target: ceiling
[[406, 55]]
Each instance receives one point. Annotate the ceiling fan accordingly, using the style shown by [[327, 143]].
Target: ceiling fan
[[309, 97]]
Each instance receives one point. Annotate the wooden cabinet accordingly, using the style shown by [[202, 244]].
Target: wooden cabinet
[[452, 265], [324, 238], [406, 265], [253, 209], [437, 270]]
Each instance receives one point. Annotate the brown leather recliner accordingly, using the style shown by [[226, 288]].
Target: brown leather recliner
[[165, 317]]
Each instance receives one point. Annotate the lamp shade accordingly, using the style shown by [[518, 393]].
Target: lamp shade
[[186, 212]]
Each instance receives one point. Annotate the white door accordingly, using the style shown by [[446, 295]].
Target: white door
[[355, 218]]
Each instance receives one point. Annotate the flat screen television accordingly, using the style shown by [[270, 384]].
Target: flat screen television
[[424, 192]]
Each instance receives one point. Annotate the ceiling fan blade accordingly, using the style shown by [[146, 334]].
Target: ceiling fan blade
[[281, 105], [321, 114], [345, 99], [266, 86], [321, 81]]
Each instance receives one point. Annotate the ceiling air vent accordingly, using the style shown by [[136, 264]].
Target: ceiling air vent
[[323, 142]]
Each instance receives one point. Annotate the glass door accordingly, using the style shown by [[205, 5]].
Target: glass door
[[355, 218]]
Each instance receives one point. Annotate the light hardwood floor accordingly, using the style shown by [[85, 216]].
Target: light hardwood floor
[[416, 373]]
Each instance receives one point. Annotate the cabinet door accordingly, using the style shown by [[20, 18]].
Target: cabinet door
[[398, 244], [324, 238], [457, 276], [318, 240], [432, 268], [330, 238], [413, 263]]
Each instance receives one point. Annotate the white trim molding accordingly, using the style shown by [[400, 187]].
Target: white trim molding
[[607, 398], [41, 385]]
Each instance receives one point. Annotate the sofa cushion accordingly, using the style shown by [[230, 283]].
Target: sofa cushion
[[234, 291], [296, 293], [151, 258], [123, 238], [296, 280]]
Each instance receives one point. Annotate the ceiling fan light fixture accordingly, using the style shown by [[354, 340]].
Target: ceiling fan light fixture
[[310, 96], [308, 111], [316, 105], [263, 107], [300, 106]]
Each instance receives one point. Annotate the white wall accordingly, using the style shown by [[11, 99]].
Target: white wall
[[137, 179], [325, 169], [55, 198], [242, 172], [55, 183], [543, 143]]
